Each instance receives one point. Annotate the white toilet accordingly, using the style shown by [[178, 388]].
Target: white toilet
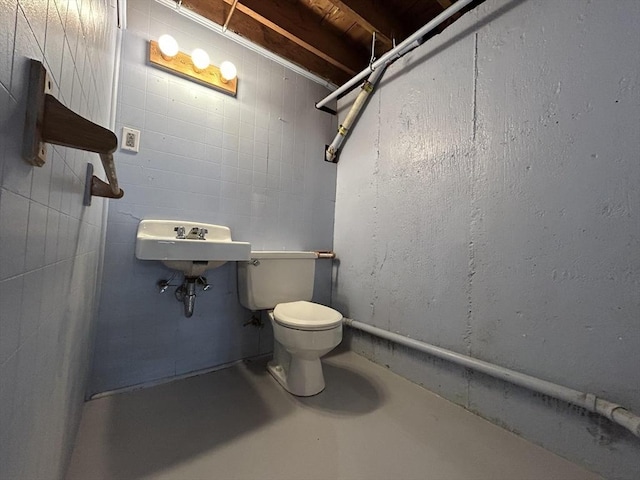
[[303, 331]]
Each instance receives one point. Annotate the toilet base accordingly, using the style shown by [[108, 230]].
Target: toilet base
[[296, 357], [302, 378]]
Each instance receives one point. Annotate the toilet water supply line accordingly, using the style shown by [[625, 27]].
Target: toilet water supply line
[[614, 412], [367, 87]]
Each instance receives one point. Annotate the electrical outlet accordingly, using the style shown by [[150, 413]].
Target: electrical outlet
[[130, 139]]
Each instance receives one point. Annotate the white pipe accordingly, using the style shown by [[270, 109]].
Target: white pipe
[[115, 80], [233, 9], [343, 129], [589, 401], [402, 48]]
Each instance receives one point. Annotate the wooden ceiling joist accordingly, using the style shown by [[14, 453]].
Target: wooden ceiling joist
[[253, 30], [373, 16], [445, 3], [303, 28], [330, 38]]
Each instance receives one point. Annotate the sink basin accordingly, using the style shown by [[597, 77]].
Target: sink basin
[[157, 240]]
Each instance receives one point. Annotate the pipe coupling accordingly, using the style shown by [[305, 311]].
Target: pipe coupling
[[590, 402]]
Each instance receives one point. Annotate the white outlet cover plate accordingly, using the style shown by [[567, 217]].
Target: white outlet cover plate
[[130, 139]]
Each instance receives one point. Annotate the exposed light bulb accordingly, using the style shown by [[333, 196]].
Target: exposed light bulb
[[168, 46], [200, 59], [228, 71]]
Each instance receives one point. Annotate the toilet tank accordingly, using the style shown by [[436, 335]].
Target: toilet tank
[[273, 277]]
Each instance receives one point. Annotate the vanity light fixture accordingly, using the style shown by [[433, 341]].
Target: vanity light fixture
[[165, 54], [168, 46], [228, 71], [200, 59]]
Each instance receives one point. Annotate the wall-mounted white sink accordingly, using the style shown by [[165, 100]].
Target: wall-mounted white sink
[[194, 254]]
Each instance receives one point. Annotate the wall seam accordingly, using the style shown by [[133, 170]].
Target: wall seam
[[475, 85], [471, 268], [376, 171]]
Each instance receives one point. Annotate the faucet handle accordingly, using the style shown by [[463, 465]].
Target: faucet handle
[[180, 231]]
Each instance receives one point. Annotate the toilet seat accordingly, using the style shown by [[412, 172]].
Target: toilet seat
[[309, 316]]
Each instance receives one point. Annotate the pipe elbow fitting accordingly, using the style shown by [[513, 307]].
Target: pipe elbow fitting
[[330, 154]]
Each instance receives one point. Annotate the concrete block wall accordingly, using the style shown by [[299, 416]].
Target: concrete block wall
[[49, 242], [488, 201], [253, 163]]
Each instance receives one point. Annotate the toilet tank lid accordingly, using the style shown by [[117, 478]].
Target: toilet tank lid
[[304, 315], [258, 254]]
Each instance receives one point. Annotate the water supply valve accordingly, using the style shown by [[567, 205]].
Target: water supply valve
[[203, 281], [254, 321], [163, 285]]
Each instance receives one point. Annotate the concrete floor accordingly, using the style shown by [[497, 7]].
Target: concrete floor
[[238, 423]]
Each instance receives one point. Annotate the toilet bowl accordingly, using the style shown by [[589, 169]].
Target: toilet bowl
[[282, 283], [303, 332]]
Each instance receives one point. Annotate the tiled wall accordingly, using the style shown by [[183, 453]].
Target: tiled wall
[[49, 242], [515, 137], [253, 163]]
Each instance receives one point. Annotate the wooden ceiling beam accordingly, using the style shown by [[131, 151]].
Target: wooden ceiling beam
[[445, 3], [217, 12], [374, 16], [300, 26], [260, 34]]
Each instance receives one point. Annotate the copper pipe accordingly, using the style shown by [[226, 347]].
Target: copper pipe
[[325, 254]]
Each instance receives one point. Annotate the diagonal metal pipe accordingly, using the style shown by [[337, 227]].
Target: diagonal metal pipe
[[410, 43], [331, 153]]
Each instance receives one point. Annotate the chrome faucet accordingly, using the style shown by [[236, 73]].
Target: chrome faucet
[[197, 233], [180, 232], [194, 232]]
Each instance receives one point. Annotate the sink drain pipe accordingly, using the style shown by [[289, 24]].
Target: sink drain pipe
[[614, 412]]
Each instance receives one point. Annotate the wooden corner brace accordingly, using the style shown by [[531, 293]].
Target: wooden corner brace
[[49, 121]]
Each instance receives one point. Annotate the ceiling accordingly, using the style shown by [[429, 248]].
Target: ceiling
[[330, 38]]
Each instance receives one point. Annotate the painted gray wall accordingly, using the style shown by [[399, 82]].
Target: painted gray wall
[[488, 201], [49, 242], [252, 163]]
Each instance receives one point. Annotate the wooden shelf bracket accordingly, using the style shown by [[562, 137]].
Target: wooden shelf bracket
[[49, 121]]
